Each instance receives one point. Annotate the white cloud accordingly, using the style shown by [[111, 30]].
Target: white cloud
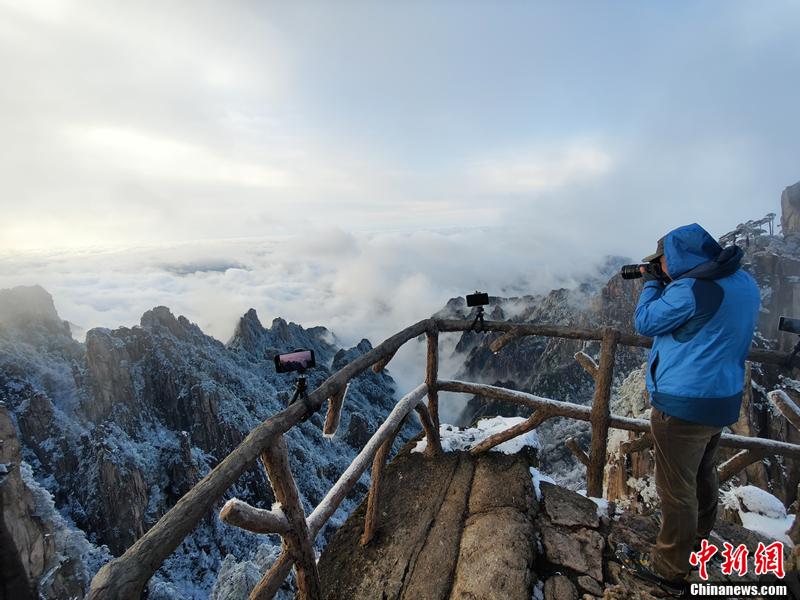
[[155, 157], [358, 285], [544, 169]]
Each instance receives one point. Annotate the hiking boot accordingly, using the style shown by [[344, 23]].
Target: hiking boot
[[640, 565]]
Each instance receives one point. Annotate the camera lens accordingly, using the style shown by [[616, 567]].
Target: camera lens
[[630, 272]]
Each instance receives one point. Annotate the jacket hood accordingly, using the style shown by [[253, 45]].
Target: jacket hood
[[726, 263], [690, 251]]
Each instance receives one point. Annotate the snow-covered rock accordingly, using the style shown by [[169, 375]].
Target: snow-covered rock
[[759, 511], [116, 430], [455, 438]]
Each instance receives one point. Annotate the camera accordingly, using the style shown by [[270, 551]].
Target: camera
[[478, 299], [633, 271], [298, 360], [789, 325]]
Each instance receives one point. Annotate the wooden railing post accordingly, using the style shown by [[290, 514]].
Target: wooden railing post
[[601, 413], [376, 478], [432, 374], [434, 447], [298, 540]]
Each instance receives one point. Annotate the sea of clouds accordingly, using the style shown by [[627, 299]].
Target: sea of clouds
[[358, 285]]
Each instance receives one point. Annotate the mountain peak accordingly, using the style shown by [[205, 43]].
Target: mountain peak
[[251, 316], [23, 308], [790, 209], [162, 317]]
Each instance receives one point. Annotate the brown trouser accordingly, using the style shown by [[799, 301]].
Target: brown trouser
[[688, 487]]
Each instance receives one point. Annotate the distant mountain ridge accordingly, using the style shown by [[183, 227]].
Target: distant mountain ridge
[[119, 428]]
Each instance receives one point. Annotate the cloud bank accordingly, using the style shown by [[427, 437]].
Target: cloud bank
[[357, 164]]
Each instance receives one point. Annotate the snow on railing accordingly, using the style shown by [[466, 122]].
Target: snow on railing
[[127, 575]]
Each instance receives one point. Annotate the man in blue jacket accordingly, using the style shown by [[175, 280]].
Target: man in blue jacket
[[701, 313]]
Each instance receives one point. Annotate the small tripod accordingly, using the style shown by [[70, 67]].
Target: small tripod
[[793, 354], [477, 323], [300, 393]]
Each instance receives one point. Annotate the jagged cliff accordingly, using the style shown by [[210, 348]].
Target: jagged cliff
[[464, 527], [119, 428]]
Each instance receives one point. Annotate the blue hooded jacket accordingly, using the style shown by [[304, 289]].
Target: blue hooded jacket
[[702, 324]]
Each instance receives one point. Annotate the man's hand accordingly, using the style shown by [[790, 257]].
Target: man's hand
[[647, 275]]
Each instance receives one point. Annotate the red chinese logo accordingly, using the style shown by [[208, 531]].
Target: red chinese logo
[[769, 559], [701, 557], [734, 559]]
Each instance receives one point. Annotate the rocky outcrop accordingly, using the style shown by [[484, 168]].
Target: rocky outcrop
[[451, 527], [30, 313], [496, 548], [790, 210], [29, 548], [119, 516], [457, 526], [24, 539], [108, 363], [251, 337], [118, 428]]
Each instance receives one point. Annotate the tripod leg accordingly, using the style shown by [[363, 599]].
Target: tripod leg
[[295, 396], [304, 397], [474, 325]]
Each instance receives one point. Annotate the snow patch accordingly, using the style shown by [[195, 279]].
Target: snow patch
[[754, 500], [646, 488], [760, 511], [538, 591], [538, 477], [791, 383], [773, 528], [456, 439], [602, 504]]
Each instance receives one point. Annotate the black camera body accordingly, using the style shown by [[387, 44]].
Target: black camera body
[[634, 271], [789, 325]]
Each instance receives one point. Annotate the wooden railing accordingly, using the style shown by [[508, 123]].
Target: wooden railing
[[127, 575]]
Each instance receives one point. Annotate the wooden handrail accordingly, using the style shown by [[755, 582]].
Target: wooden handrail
[[325, 509], [772, 357], [126, 576], [583, 413]]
